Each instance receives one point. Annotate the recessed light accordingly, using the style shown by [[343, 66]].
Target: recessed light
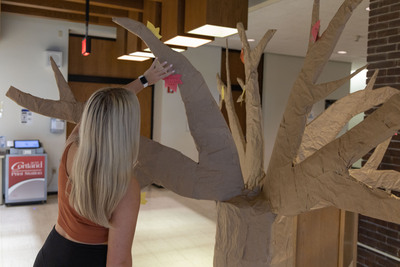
[[342, 52], [368, 9]]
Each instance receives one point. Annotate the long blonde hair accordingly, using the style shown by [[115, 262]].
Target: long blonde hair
[[108, 147]]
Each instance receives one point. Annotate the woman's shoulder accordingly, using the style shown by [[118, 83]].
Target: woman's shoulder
[[72, 147]]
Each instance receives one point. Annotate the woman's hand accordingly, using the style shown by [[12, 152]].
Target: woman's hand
[[158, 71], [155, 73]]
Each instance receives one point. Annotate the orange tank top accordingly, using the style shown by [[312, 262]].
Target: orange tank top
[[76, 226]]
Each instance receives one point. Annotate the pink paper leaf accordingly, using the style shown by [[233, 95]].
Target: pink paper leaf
[[172, 81], [315, 30]]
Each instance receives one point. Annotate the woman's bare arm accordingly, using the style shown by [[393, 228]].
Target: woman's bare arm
[[123, 225]]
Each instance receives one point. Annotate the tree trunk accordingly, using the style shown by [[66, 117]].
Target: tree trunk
[[250, 235]]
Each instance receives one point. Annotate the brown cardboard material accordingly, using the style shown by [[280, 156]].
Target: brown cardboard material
[[283, 241], [320, 175], [236, 129], [319, 133], [67, 108], [243, 233], [258, 230], [217, 175], [387, 179]]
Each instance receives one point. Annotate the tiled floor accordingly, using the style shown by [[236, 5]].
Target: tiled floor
[[172, 231]]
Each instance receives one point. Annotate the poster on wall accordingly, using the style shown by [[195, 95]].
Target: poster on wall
[[26, 116]]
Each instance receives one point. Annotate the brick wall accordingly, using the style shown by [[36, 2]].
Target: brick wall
[[383, 54]]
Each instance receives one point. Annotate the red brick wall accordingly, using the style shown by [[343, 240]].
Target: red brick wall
[[383, 54]]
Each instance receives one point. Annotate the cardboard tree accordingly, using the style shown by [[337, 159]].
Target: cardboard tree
[[308, 170], [310, 166]]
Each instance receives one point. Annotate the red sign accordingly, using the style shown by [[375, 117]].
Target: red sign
[[25, 168]]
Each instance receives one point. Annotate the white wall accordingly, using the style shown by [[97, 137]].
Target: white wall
[[280, 72], [23, 42], [356, 84], [170, 123]]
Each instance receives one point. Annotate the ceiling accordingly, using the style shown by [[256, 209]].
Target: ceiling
[[291, 18]]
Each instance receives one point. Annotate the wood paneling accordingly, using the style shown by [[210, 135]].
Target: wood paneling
[[128, 42], [225, 13], [173, 19], [151, 13], [132, 5], [318, 238], [56, 15], [68, 7], [348, 248], [102, 61]]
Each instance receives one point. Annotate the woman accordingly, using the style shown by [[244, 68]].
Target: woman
[[98, 196]]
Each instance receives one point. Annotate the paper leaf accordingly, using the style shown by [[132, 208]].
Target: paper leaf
[[315, 31], [222, 92], [154, 30], [241, 97], [143, 198], [172, 81], [242, 56]]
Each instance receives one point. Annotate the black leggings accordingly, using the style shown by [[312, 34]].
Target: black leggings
[[58, 251]]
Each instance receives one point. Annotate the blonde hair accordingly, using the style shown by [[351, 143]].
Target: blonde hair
[[108, 147]]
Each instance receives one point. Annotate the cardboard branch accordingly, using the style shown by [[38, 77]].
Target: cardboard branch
[[235, 127], [255, 54], [316, 179], [319, 54], [324, 89], [253, 168], [62, 85], [51, 108], [314, 20], [67, 108], [221, 90], [327, 126], [376, 158], [218, 169], [351, 195], [388, 179], [301, 99]]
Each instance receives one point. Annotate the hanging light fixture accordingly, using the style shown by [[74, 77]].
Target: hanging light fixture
[[217, 18], [86, 44], [172, 26]]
